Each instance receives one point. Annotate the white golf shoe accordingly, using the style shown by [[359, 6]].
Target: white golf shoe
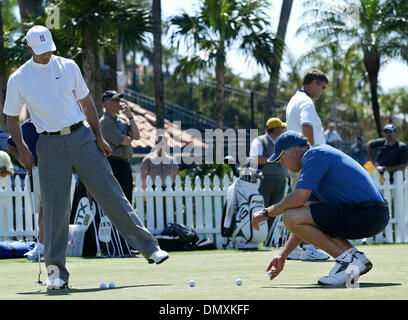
[[158, 256], [32, 255], [295, 254], [311, 253], [344, 268], [56, 283], [308, 253]]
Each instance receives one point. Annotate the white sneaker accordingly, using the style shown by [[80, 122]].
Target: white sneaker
[[295, 254], [56, 283], [158, 256], [341, 271], [364, 260], [33, 254], [310, 253]]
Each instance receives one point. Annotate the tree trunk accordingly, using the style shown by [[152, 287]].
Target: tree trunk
[[28, 8], [157, 64], [111, 82], [3, 74], [92, 70], [219, 99], [372, 65], [274, 76]]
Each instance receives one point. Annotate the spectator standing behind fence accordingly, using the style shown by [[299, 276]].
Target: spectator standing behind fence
[[272, 186], [332, 136], [159, 163], [359, 151], [392, 154], [119, 128], [30, 136], [301, 116]]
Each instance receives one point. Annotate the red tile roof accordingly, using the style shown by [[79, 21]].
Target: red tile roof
[[146, 122]]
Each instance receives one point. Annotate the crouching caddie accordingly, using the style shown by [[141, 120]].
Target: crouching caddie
[[334, 200]]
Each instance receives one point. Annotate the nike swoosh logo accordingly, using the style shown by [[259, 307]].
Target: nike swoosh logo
[[58, 77]]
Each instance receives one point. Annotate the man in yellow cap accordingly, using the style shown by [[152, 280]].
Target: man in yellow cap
[[272, 185]]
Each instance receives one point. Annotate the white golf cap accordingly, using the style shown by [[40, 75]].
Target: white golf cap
[[39, 38]]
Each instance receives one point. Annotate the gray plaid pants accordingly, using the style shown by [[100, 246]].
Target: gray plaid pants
[[60, 156]]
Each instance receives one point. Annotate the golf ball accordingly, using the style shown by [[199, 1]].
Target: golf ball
[[102, 286], [238, 282], [191, 283], [111, 285]]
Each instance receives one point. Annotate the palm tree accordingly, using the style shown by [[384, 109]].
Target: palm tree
[[157, 65], [218, 27], [94, 25], [365, 25], [274, 76]]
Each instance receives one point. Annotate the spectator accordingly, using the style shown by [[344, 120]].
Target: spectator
[[119, 128], [332, 136], [159, 163], [392, 154], [359, 151], [272, 186], [301, 116]]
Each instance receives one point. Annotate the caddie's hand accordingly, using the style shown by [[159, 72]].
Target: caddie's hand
[[275, 267], [258, 218], [26, 158], [104, 147]]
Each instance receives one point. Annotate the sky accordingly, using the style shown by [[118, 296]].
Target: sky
[[392, 75]]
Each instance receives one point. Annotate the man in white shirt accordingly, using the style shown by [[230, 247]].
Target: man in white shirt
[[301, 116], [58, 100]]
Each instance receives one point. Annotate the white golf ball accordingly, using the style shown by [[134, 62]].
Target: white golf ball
[[192, 283], [102, 286], [238, 282], [111, 285]]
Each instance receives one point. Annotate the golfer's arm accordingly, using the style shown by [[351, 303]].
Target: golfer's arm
[[308, 133], [294, 199], [13, 127], [89, 109]]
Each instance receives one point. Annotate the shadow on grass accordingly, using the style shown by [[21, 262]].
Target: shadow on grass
[[68, 291], [318, 286]]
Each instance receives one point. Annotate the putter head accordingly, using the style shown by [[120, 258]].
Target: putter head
[[41, 283]]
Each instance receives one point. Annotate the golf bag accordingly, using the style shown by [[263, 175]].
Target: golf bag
[[101, 237], [243, 200]]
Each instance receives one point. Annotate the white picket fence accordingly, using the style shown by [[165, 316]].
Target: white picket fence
[[199, 207]]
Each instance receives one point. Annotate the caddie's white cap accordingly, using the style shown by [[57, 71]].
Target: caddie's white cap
[[39, 38]]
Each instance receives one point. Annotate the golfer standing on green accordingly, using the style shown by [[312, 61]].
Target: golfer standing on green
[[58, 100]]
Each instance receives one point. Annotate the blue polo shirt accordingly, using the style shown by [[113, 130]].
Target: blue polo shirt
[[30, 137], [336, 178]]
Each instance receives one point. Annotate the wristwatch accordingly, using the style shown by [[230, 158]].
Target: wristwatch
[[265, 212]]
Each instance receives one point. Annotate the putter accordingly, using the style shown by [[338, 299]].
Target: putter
[[98, 247], [32, 202]]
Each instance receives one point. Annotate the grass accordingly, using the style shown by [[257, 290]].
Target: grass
[[214, 273]]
